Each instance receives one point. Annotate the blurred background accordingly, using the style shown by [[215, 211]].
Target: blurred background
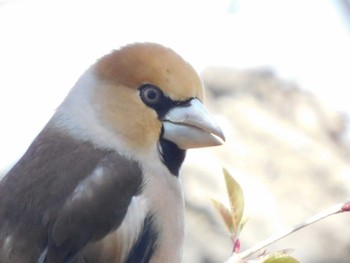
[[276, 74]]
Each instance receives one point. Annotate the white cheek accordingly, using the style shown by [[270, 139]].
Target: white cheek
[[77, 114]]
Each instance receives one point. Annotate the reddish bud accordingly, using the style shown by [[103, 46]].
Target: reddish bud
[[346, 207], [236, 246]]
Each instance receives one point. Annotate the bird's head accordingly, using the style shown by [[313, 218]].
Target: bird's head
[[148, 92], [138, 95]]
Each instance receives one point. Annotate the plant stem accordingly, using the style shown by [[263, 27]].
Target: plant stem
[[338, 208]]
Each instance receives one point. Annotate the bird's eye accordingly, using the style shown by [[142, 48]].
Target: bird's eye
[[150, 94]]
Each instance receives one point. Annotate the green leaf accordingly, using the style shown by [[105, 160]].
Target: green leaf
[[236, 198], [280, 258], [225, 214]]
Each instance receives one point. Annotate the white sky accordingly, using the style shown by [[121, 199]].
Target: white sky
[[45, 46]]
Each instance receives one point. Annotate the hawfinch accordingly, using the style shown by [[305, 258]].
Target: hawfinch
[[100, 183]]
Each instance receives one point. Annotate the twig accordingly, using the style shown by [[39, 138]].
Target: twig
[[338, 208]]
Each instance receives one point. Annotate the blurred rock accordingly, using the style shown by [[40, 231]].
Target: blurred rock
[[285, 148]]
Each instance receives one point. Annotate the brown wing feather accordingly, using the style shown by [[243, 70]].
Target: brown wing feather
[[37, 202]]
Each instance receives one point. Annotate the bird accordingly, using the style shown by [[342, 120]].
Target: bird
[[101, 182]]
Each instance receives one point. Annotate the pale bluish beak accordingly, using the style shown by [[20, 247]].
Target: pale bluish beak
[[192, 126]]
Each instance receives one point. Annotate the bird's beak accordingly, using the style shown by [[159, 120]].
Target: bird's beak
[[192, 126]]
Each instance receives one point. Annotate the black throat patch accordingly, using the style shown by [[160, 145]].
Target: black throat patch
[[171, 155]]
